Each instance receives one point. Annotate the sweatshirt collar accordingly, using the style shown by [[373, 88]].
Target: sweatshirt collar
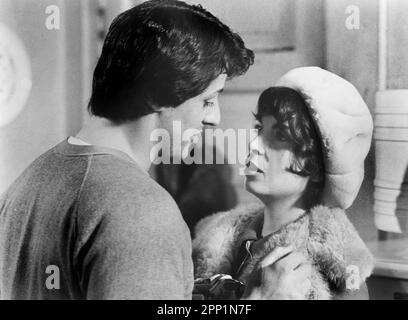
[[68, 149]]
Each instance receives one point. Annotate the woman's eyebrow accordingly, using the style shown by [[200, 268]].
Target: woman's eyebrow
[[257, 117]]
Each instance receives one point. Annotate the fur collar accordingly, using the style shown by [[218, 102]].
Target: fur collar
[[325, 235]]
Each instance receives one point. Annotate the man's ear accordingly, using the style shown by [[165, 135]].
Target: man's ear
[[158, 109], [154, 106]]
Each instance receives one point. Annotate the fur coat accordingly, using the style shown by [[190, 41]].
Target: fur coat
[[340, 259]]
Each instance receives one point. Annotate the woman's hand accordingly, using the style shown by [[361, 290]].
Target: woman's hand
[[282, 275]]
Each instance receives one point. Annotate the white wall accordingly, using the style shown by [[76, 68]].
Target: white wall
[[353, 54], [398, 44], [53, 109]]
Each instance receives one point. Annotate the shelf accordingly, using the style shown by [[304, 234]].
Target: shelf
[[391, 258]]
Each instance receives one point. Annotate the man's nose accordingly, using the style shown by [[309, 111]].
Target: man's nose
[[256, 146], [213, 117]]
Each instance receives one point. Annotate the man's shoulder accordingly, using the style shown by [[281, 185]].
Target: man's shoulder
[[121, 180], [117, 190], [47, 175]]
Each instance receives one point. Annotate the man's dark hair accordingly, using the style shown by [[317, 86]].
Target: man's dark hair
[[296, 126], [160, 54]]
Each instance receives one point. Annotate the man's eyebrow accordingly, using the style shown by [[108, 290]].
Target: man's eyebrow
[[214, 94]]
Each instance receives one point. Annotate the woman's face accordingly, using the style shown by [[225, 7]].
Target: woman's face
[[267, 171]]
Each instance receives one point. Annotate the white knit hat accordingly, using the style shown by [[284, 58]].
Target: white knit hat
[[345, 126]]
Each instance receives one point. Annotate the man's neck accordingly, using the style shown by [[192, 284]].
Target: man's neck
[[133, 137], [279, 213]]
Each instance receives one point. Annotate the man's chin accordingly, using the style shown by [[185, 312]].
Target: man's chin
[[187, 148], [177, 155]]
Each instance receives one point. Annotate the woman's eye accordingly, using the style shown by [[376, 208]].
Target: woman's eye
[[258, 127]]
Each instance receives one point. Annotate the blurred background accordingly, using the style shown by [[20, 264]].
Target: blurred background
[[48, 49]]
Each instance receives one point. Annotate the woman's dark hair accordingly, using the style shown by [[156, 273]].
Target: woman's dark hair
[[160, 54], [296, 126]]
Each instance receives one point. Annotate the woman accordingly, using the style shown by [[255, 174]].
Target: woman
[[306, 166]]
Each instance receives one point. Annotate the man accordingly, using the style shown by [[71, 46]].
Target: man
[[85, 220]]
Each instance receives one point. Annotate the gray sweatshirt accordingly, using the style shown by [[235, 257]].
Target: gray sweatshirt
[[85, 222]]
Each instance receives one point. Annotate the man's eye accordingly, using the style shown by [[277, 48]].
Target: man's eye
[[208, 104]]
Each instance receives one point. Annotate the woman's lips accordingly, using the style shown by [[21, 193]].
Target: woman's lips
[[251, 169]]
